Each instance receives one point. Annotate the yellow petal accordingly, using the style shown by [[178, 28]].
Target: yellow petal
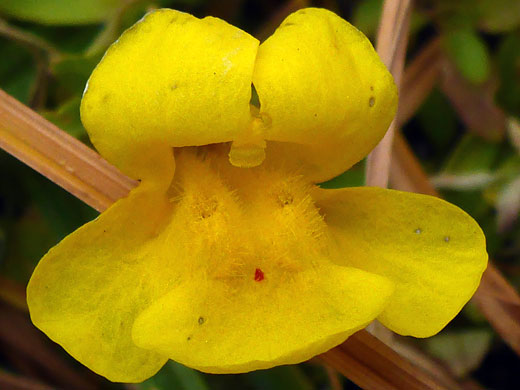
[[86, 292], [322, 86], [170, 80], [260, 324], [433, 251], [257, 289]]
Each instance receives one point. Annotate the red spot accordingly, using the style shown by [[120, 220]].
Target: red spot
[[259, 275]]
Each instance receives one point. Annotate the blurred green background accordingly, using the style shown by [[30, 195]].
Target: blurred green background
[[466, 134]]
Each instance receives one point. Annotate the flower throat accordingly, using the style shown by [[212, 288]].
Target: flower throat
[[239, 213]]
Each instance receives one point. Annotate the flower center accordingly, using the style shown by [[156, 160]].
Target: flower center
[[244, 225]]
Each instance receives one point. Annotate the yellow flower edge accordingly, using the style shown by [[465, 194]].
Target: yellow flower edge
[[227, 258], [433, 251], [173, 274], [173, 80]]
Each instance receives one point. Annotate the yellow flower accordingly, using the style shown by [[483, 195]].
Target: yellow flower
[[227, 258]]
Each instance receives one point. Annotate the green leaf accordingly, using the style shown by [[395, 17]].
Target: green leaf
[[513, 133], [508, 93], [473, 313], [67, 118], [2, 244], [509, 166], [508, 205], [504, 194], [472, 155], [469, 53], [451, 15], [17, 71], [60, 12], [462, 350], [499, 15], [72, 72], [438, 121], [62, 211], [279, 378], [366, 16], [175, 376], [20, 256], [354, 177]]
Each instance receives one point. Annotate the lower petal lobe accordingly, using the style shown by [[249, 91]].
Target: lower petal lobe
[[260, 322], [86, 292], [433, 251]]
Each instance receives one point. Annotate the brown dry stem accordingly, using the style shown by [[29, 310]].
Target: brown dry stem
[[392, 39], [19, 335], [373, 365], [58, 156]]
